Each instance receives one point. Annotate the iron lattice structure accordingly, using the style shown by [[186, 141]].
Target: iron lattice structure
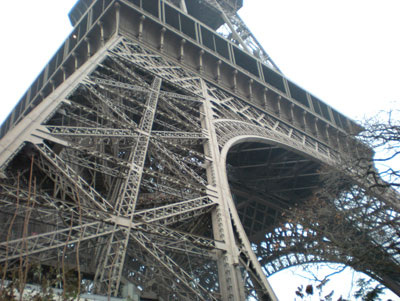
[[153, 151]]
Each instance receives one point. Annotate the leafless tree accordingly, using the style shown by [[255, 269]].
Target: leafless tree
[[374, 156], [354, 217], [15, 275]]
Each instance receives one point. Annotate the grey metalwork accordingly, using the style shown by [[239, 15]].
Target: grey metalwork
[[164, 154]]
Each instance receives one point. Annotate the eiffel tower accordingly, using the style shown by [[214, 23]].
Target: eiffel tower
[[157, 151]]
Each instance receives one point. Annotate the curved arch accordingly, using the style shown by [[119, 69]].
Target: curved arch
[[284, 244], [239, 138], [230, 132]]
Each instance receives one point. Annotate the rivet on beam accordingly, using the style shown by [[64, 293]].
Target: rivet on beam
[[162, 35], [182, 50], [140, 31], [218, 77]]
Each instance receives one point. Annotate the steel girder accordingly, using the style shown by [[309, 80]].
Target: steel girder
[[130, 162], [269, 181], [234, 29], [133, 161]]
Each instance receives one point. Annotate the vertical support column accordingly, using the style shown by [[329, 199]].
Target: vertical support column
[[218, 76], [200, 66], [183, 6], [102, 39], [88, 47], [230, 280], [117, 16], [162, 35], [251, 89], [182, 51], [265, 104], [140, 30], [109, 272], [247, 257], [316, 130], [279, 106], [234, 79]]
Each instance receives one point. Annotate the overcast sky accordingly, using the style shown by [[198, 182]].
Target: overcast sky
[[345, 52]]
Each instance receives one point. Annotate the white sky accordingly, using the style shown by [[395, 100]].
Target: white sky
[[345, 52]]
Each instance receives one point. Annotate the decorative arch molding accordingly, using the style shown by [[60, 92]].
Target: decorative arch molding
[[273, 258], [288, 245], [231, 132]]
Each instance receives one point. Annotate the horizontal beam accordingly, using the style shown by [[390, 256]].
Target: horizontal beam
[[37, 243]]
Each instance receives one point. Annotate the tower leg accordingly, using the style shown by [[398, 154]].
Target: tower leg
[[227, 226]]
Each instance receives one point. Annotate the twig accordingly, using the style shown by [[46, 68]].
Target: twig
[[63, 257], [79, 242], [9, 233], [24, 274]]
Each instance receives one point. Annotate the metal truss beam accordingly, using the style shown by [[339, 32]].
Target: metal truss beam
[[182, 247], [53, 162], [110, 270], [112, 107], [76, 160], [171, 213], [241, 33], [40, 207], [155, 274], [91, 151], [55, 239], [178, 135], [131, 152], [91, 131], [168, 189], [96, 112], [180, 236], [259, 279], [176, 271], [174, 160]]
